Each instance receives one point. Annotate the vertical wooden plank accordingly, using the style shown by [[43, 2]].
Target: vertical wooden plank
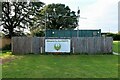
[[102, 44], [35, 45], [109, 44], [74, 44], [83, 44], [15, 45], [91, 45], [27, 42], [80, 43], [95, 45], [21, 45], [77, 45], [42, 45], [99, 44]]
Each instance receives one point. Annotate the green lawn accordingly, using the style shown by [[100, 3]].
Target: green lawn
[[61, 66], [116, 46]]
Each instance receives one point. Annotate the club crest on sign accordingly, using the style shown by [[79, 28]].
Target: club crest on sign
[[57, 47]]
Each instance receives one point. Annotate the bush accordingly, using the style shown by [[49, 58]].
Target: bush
[[7, 47], [115, 36], [39, 34]]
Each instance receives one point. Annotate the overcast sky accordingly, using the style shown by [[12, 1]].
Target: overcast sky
[[100, 14]]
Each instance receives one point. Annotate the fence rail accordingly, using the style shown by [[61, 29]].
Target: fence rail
[[90, 45]]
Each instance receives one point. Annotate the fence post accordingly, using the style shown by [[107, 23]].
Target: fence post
[[41, 50]]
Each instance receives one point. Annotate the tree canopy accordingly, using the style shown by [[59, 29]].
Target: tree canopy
[[59, 16], [17, 16]]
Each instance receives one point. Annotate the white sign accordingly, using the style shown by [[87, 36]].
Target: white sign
[[57, 45]]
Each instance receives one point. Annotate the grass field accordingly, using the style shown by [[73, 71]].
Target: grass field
[[116, 46], [61, 66]]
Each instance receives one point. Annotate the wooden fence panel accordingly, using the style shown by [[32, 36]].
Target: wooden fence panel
[[90, 45], [35, 45], [21, 45], [25, 45]]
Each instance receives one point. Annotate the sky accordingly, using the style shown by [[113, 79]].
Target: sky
[[99, 14]]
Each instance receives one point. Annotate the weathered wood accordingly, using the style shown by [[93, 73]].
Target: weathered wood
[[21, 45], [42, 44], [90, 45], [35, 45], [25, 45]]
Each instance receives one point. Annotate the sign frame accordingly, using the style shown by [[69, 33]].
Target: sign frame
[[57, 45]]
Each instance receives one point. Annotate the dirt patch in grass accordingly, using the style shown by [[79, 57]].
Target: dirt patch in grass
[[4, 60]]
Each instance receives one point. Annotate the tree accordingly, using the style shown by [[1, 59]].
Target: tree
[[0, 9], [119, 32], [37, 32], [58, 16], [2, 34], [16, 16]]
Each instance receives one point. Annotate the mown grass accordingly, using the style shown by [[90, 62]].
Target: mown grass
[[62, 66], [116, 46]]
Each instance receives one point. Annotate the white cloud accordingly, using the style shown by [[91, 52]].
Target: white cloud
[[98, 14], [99, 9]]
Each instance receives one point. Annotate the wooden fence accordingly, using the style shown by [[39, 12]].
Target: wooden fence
[[25, 45], [90, 45]]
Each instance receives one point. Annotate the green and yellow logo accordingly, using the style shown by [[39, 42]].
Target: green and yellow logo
[[57, 47]]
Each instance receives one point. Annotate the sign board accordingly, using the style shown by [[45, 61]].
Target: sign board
[[57, 45]]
